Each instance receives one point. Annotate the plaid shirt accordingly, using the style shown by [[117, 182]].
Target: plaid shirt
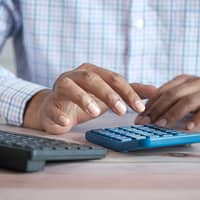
[[148, 41]]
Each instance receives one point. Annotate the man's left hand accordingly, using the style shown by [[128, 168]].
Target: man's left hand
[[174, 101]]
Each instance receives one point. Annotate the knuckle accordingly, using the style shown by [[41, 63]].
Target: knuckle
[[130, 96], [111, 99], [171, 116], [182, 76], [186, 77], [196, 80], [63, 83], [83, 99], [184, 110], [187, 101], [116, 78], [89, 76], [171, 94], [84, 66]]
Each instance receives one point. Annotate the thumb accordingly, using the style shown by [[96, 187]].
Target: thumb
[[145, 91]]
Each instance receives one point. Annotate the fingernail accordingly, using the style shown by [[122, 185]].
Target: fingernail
[[190, 125], [162, 123], [140, 106], [65, 121], [93, 109], [121, 107]]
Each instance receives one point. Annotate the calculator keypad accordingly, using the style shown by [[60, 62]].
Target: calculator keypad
[[136, 137], [125, 134]]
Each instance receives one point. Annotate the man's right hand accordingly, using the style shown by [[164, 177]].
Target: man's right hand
[[83, 94]]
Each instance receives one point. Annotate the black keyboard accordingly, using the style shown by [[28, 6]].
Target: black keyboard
[[30, 153]]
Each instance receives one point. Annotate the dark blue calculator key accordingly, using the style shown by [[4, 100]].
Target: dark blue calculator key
[[135, 136], [163, 129], [121, 138], [127, 129], [172, 132], [131, 135], [145, 129], [154, 137], [112, 129], [113, 135], [146, 134], [160, 133], [126, 139], [154, 127], [140, 137], [134, 128], [104, 133], [181, 134], [124, 133], [134, 131], [168, 135], [141, 132], [120, 132]]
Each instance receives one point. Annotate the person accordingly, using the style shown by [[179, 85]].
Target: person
[[76, 59]]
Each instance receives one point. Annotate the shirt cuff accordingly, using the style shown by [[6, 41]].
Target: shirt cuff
[[14, 95]]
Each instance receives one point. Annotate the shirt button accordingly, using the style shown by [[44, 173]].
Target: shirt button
[[139, 24]]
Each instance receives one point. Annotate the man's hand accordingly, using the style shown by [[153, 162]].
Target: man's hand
[[83, 94], [174, 101]]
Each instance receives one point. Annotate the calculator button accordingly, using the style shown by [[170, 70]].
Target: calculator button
[[128, 129], [146, 129], [146, 134], [113, 135], [160, 133], [181, 134], [135, 136], [168, 135], [154, 136]]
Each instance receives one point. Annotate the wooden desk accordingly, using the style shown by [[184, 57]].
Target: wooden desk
[[162, 174]]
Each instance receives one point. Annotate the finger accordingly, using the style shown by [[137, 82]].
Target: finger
[[179, 110], [82, 117], [145, 91], [178, 80], [54, 128], [148, 92], [194, 123], [56, 115], [166, 87], [152, 105], [95, 85], [120, 85], [67, 89], [170, 97]]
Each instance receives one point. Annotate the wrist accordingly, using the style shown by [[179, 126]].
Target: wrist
[[32, 113]]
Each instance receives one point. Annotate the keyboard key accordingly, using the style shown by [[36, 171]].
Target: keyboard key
[[30, 153]]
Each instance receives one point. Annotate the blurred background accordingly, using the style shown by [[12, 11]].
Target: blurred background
[[7, 57], [7, 60]]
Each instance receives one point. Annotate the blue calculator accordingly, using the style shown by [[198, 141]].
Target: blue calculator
[[139, 137]]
